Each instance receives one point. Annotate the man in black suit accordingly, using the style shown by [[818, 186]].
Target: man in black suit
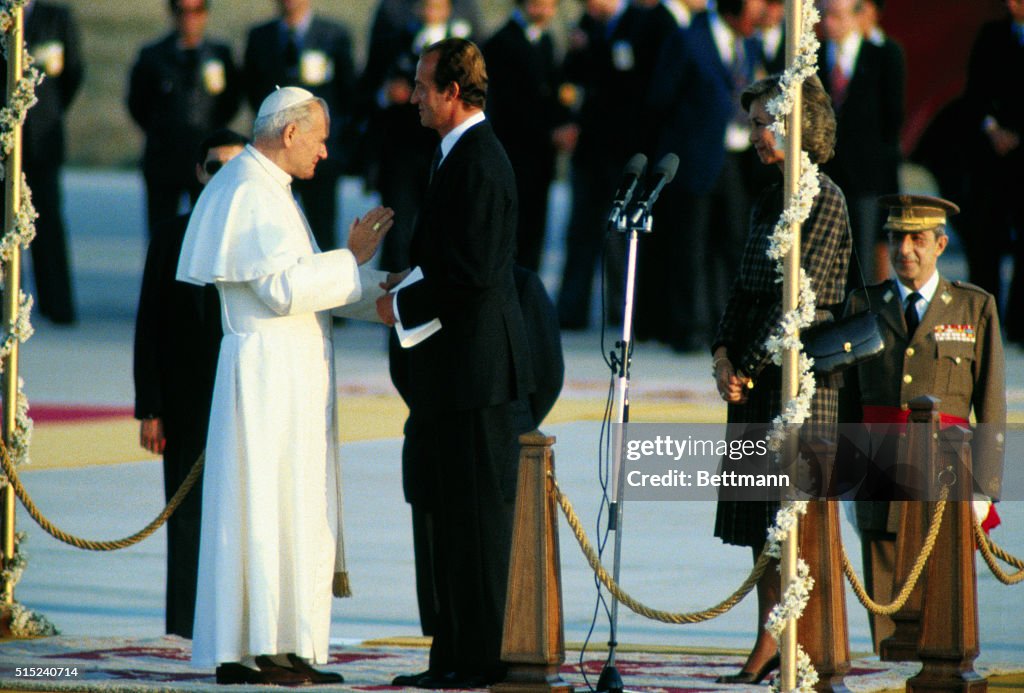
[[527, 116], [527, 412], [866, 83], [994, 101], [303, 49], [177, 339], [770, 39], [665, 17], [463, 378], [609, 62], [51, 36], [395, 150], [772, 36], [182, 87], [393, 17], [701, 221], [870, 17]]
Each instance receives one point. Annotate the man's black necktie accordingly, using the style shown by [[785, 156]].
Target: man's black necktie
[[435, 163], [910, 314], [290, 59]]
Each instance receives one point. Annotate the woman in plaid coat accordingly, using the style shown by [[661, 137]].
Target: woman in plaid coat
[[743, 371]]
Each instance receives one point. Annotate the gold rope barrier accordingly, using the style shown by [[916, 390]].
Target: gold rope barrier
[[915, 573], [634, 605], [57, 533], [990, 551]]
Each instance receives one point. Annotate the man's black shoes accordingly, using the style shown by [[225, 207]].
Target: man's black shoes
[[299, 673], [232, 673], [315, 675], [450, 680]]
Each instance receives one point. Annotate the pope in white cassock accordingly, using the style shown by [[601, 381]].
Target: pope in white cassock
[[271, 543]]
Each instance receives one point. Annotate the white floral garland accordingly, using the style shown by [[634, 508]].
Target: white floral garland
[[23, 621], [796, 411], [797, 594]]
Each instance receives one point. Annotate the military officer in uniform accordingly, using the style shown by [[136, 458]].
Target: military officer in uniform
[[942, 339]]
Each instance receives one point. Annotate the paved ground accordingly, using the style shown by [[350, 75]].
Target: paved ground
[[670, 559]]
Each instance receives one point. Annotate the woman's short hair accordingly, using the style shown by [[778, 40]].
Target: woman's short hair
[[818, 121], [460, 61], [271, 126]]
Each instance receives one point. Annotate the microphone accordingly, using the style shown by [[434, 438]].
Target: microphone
[[630, 177], [663, 174]]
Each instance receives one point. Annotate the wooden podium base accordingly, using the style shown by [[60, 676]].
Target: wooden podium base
[[533, 642], [532, 678], [822, 630], [949, 620], [946, 677]]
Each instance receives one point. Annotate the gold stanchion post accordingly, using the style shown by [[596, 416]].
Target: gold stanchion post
[[790, 299], [12, 284]]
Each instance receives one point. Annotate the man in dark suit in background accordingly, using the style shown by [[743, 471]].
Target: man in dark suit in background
[[771, 34], [177, 339], [667, 16], [302, 49], [700, 223], [182, 87], [53, 41], [463, 378], [395, 150], [870, 19], [393, 17], [866, 83], [609, 62], [770, 39], [994, 101], [524, 108]]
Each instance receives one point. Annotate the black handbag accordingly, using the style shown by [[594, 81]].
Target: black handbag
[[848, 341], [835, 346]]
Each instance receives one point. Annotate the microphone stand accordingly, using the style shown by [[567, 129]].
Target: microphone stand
[[633, 224]]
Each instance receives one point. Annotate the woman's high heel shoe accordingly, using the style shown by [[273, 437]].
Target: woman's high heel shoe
[[751, 677]]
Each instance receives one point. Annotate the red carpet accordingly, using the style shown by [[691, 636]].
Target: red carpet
[[162, 664], [70, 413]]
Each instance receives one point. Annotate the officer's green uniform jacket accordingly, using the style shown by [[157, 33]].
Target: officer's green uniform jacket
[[956, 355]]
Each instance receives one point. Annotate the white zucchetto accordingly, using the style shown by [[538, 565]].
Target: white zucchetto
[[283, 98]]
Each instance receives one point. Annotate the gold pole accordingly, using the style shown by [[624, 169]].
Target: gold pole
[[790, 299], [12, 283]]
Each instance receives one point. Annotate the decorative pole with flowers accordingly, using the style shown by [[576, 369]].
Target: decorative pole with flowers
[[790, 302], [18, 232], [798, 302]]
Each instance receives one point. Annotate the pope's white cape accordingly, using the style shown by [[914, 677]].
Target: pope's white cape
[[271, 536]]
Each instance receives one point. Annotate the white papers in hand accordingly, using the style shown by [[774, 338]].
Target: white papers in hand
[[411, 337]]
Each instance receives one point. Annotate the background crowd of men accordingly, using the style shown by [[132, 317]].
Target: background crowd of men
[[649, 76]]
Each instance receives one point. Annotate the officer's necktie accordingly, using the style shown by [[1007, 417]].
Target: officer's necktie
[[910, 314]]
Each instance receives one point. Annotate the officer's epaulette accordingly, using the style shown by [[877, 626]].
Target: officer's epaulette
[[968, 286]]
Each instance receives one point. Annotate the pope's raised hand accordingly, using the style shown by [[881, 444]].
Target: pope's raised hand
[[365, 235]]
